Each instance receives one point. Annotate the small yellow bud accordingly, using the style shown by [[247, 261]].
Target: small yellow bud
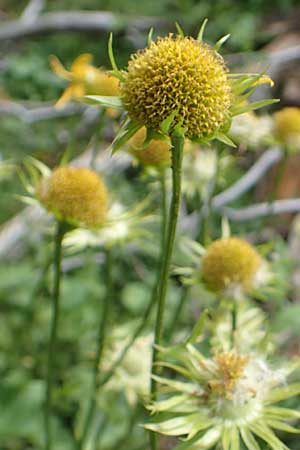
[[76, 195], [229, 262], [157, 153], [287, 125]]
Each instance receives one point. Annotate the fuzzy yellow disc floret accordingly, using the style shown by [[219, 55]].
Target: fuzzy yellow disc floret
[[75, 194], [287, 124], [178, 74], [228, 262], [156, 153]]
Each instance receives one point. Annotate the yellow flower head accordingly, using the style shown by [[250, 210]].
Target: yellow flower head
[[85, 79], [229, 262], [178, 75], [230, 366], [157, 153], [287, 125], [75, 194], [225, 401]]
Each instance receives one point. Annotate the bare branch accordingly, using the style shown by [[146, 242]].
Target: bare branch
[[32, 11], [77, 21], [254, 174], [41, 113], [262, 209]]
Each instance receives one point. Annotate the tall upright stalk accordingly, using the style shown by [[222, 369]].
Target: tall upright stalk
[[234, 313], [53, 331], [99, 352], [164, 212], [177, 141]]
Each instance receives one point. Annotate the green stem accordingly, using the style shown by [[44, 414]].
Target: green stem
[[164, 222], [177, 312], [177, 140], [100, 347], [234, 312], [53, 331], [206, 210]]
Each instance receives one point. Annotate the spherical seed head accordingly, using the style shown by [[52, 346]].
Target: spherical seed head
[[287, 124], [157, 153], [230, 262], [76, 195], [178, 74]]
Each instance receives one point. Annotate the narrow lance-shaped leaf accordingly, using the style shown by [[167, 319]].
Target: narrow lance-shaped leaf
[[220, 42], [198, 328], [124, 134], [253, 106], [108, 101], [116, 70], [201, 31], [179, 29]]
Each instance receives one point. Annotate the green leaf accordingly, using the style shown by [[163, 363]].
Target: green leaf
[[282, 393], [180, 386], [267, 435], [208, 440], [174, 427], [109, 101], [220, 42], [150, 135], [201, 31], [181, 370], [150, 36], [253, 106], [249, 439], [278, 425], [166, 123], [244, 82], [226, 439], [168, 404], [235, 439], [225, 139], [276, 412], [125, 133], [179, 29], [200, 425], [116, 70], [198, 328]]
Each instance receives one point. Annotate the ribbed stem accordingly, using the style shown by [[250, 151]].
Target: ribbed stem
[[53, 332], [234, 313], [164, 212], [177, 154], [99, 352], [177, 313], [206, 211]]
